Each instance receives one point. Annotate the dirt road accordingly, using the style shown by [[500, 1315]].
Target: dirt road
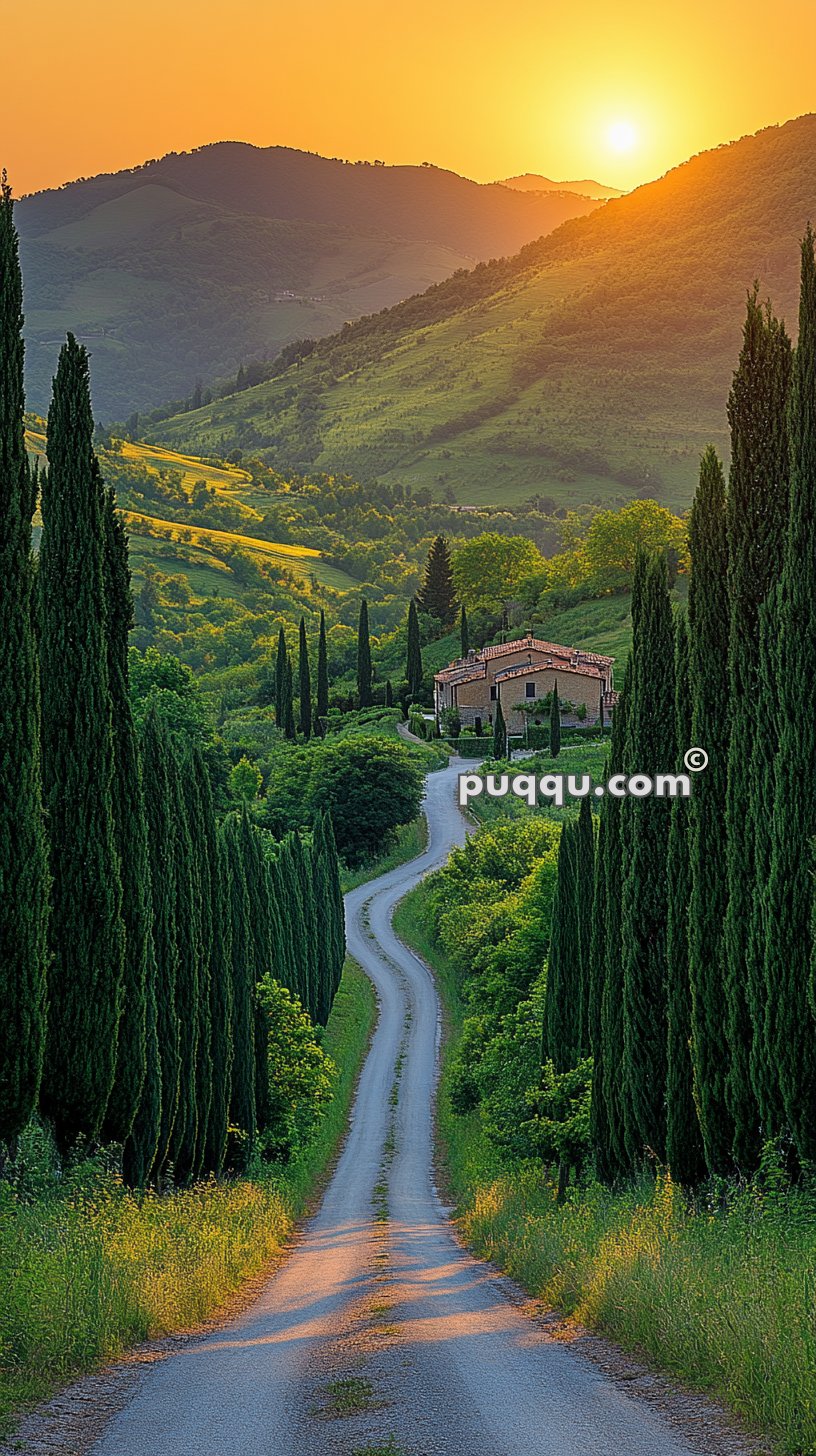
[[379, 1334]]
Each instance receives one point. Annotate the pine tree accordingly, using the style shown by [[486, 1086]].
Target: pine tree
[[131, 837], [85, 932], [789, 947], [499, 733], [413, 661], [23, 847], [650, 727], [756, 519], [161, 824], [684, 1143], [612, 1155], [464, 632], [364, 695], [242, 1090], [437, 595], [305, 683], [555, 721], [708, 621], [288, 703], [281, 659], [183, 797], [322, 705], [565, 974], [584, 892], [215, 1143]]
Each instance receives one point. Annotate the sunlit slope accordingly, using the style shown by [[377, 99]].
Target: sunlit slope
[[594, 364], [298, 560]]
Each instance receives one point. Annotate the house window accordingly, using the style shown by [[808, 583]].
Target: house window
[[529, 689], [494, 693]]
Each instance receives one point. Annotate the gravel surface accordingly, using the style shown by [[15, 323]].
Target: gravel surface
[[380, 1333]]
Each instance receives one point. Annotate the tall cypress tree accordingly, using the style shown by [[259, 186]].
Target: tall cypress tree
[[464, 632], [500, 746], [565, 973], [584, 893], [756, 519], [215, 1143], [280, 681], [183, 797], [338, 909], [161, 824], [131, 837], [612, 1156], [242, 1091], [141, 1146], [322, 703], [413, 660], [598, 1126], [288, 702], [684, 1143], [650, 727], [24, 884], [437, 595], [301, 864], [789, 946], [198, 793], [262, 957], [86, 932], [305, 683], [364, 696], [389, 693], [708, 621], [555, 721]]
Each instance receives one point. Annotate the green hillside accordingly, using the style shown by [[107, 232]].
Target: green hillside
[[186, 267], [594, 363]]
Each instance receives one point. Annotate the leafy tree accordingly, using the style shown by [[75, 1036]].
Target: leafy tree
[[364, 694], [86, 931], [300, 1074], [245, 781], [708, 675], [788, 916], [500, 746], [555, 721], [369, 786], [756, 519], [413, 665], [304, 683], [613, 539], [684, 1144], [650, 726], [563, 1122], [23, 847], [488, 569], [437, 595]]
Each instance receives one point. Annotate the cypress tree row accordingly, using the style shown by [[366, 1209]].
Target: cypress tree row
[[555, 721], [281, 658], [199, 807], [131, 837], [708, 620], [24, 881], [260, 906], [221, 1044], [86, 934], [789, 909], [304, 683], [162, 850], [141, 1146], [242, 1091], [437, 595], [189, 992], [413, 661], [612, 1156], [322, 702], [650, 727], [364, 695], [756, 518], [684, 1144]]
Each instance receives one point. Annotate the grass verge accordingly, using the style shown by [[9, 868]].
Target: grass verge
[[412, 839], [721, 1294], [90, 1271]]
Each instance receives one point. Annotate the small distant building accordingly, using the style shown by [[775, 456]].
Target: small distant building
[[521, 674]]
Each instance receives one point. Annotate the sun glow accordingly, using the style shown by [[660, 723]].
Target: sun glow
[[621, 136]]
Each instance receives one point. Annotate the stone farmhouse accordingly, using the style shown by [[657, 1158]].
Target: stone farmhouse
[[520, 675]]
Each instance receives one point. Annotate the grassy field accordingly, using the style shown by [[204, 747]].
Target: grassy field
[[90, 1270], [300, 560], [719, 1294]]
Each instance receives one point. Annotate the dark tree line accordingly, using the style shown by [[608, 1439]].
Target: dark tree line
[[134, 928], [701, 974]]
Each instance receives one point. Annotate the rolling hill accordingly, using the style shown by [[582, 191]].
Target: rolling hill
[[190, 265], [593, 365], [534, 182]]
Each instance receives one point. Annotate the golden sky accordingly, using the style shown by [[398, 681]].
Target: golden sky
[[619, 92]]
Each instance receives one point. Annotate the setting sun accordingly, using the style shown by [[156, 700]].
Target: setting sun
[[621, 136]]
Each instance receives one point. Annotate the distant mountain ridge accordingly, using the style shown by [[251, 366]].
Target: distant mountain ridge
[[189, 265], [593, 365], [534, 182]]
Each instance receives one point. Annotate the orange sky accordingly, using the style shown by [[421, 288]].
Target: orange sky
[[485, 89]]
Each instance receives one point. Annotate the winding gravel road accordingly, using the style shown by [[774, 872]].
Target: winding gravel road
[[379, 1333]]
